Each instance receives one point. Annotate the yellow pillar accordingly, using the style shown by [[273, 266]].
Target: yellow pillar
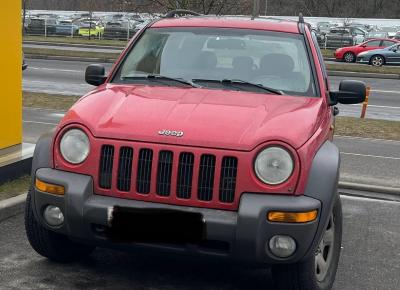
[[10, 74]]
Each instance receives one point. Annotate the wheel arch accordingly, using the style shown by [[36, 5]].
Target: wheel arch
[[323, 184]]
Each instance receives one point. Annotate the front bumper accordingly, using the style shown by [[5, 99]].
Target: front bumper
[[241, 235]]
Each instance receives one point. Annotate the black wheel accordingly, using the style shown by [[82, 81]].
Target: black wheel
[[377, 60], [49, 244], [317, 272], [349, 57]]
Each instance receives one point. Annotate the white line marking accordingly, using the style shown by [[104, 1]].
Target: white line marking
[[372, 156], [365, 139], [387, 92], [376, 106], [54, 69], [352, 197], [43, 123]]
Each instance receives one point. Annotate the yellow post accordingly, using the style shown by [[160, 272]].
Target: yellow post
[[365, 104], [10, 74]]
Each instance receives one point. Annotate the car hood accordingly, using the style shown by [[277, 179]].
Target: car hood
[[207, 118]]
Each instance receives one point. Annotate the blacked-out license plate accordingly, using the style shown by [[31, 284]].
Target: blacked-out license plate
[[147, 225]]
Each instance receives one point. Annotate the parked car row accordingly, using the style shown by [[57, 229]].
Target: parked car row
[[333, 35], [350, 53], [111, 27]]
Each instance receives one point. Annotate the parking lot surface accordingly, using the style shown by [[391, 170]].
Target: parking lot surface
[[369, 260]]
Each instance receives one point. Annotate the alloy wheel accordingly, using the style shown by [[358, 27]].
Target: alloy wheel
[[377, 61], [349, 57]]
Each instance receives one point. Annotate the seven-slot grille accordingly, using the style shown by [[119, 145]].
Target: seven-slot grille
[[170, 179]]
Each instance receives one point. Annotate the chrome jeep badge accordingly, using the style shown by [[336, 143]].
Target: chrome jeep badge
[[170, 133]]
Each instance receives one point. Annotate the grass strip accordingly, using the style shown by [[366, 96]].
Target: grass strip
[[368, 128], [76, 40], [15, 187], [48, 101], [70, 53]]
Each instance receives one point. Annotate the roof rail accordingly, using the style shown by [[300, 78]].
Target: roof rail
[[301, 18], [180, 13]]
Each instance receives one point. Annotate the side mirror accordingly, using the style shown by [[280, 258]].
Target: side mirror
[[350, 92], [95, 75], [364, 45]]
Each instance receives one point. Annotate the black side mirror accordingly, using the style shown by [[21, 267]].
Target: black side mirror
[[350, 92], [95, 75]]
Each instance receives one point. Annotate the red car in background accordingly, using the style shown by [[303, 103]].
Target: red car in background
[[349, 54]]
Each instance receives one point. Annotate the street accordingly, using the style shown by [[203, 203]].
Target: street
[[369, 260]]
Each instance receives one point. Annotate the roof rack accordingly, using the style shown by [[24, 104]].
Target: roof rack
[[181, 13]]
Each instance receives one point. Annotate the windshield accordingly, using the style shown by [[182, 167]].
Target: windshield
[[271, 59]]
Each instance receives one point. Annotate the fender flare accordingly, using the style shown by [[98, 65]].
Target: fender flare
[[323, 184], [42, 154]]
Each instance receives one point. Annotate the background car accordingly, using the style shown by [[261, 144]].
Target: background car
[[379, 57], [349, 54], [91, 29], [66, 27]]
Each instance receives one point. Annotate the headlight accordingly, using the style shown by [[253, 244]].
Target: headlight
[[274, 165], [75, 146]]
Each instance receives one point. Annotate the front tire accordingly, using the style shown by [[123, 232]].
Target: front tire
[[49, 244], [377, 60], [349, 57], [318, 271]]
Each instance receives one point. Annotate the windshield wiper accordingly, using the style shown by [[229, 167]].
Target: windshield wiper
[[235, 82], [161, 77], [271, 90]]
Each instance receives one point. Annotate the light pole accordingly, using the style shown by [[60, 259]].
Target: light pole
[[266, 7]]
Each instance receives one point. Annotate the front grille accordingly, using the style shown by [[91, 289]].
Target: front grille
[[144, 171], [185, 175], [125, 169], [206, 177], [168, 174], [164, 173], [106, 166], [227, 183]]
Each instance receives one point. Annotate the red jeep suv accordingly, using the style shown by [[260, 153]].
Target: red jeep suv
[[210, 136]]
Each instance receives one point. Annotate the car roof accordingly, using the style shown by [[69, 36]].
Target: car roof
[[240, 22]]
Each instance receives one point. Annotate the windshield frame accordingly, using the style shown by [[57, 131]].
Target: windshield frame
[[314, 81]]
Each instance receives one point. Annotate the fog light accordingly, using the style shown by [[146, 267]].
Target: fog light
[[282, 246], [53, 215]]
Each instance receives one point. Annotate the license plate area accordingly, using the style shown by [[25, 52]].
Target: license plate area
[[147, 225]]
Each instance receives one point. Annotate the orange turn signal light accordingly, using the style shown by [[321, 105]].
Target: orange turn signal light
[[49, 188], [292, 217]]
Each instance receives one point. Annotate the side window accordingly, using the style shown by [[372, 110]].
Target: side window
[[387, 43], [373, 43]]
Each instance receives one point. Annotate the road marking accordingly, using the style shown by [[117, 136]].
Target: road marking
[[42, 123], [372, 156], [376, 106], [369, 199], [54, 69], [365, 139], [387, 92]]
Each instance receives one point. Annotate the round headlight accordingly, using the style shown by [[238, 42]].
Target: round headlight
[[274, 165], [75, 146]]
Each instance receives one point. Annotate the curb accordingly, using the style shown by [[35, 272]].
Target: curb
[[49, 43], [12, 206], [15, 205], [363, 75], [70, 58]]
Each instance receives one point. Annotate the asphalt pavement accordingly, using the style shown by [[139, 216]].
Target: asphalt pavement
[[73, 48], [369, 260], [67, 77]]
